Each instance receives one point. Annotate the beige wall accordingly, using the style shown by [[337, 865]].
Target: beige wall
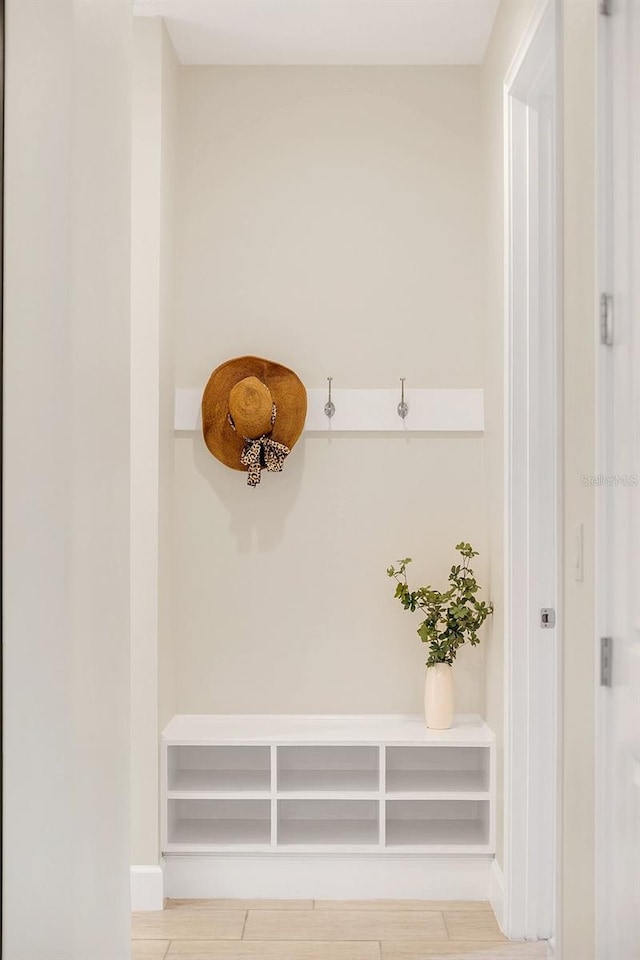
[[66, 481], [153, 151], [329, 218], [166, 378], [577, 883], [511, 21]]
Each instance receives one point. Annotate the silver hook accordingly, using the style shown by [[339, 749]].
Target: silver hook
[[403, 408], [329, 407]]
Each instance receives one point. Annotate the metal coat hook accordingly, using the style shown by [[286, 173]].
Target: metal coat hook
[[403, 408], [329, 407]]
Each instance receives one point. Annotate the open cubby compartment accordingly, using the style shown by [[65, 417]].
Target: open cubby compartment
[[328, 822], [451, 823], [219, 822], [219, 769], [437, 769], [328, 768]]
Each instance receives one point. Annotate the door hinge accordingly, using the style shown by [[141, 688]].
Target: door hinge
[[605, 7], [606, 661], [606, 319], [547, 618]]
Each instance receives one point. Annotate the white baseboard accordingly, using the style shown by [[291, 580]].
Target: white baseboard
[[327, 877], [496, 892], [147, 888]]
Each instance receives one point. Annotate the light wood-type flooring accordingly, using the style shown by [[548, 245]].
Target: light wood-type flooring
[[324, 930]]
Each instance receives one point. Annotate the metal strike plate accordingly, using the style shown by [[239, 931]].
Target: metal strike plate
[[606, 661], [547, 618]]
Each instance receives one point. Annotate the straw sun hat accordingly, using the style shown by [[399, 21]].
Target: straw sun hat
[[253, 411]]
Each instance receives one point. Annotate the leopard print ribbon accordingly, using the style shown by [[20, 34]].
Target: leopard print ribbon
[[262, 453]]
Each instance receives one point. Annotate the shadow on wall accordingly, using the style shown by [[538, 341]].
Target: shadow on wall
[[257, 516]]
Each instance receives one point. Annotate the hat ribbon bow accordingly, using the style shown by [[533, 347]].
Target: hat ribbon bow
[[262, 453]]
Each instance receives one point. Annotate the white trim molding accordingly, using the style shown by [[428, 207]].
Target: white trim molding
[[327, 877], [617, 462], [496, 892], [533, 542], [147, 888]]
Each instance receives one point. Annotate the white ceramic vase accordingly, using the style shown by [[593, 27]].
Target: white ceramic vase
[[438, 696]]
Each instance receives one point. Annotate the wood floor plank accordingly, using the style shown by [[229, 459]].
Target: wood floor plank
[[149, 949], [440, 905], [472, 925], [271, 950], [450, 950], [188, 925], [240, 905], [345, 925]]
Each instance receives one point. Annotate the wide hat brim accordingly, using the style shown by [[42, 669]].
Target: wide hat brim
[[287, 390]]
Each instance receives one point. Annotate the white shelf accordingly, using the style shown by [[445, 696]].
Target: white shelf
[[331, 768], [437, 783], [234, 729], [443, 771], [442, 822], [218, 770], [327, 783], [221, 782], [227, 822], [221, 832], [427, 833], [362, 411], [328, 832]]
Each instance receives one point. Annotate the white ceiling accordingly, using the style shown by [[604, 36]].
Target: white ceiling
[[325, 31]]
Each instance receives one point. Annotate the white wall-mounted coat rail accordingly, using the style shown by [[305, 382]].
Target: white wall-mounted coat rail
[[358, 411]]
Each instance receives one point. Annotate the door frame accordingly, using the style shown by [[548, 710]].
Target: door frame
[[618, 110], [533, 543], [604, 215]]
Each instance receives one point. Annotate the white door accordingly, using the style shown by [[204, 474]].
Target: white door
[[618, 491]]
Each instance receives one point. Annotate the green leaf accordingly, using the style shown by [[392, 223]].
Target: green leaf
[[451, 618]]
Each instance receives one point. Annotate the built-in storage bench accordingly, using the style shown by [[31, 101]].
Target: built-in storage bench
[[306, 784]]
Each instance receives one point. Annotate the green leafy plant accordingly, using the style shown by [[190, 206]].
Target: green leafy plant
[[452, 617]]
